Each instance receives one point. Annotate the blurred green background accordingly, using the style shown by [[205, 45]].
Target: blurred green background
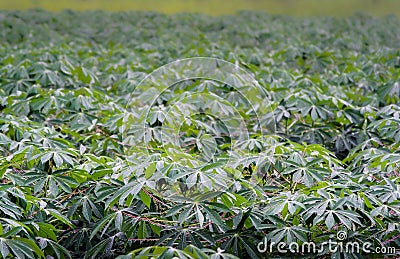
[[218, 7]]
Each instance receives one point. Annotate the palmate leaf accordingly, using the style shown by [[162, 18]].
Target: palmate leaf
[[53, 182], [306, 172], [7, 206], [132, 188], [58, 250], [56, 214], [20, 247], [237, 242], [89, 208], [104, 248], [16, 226], [288, 234]]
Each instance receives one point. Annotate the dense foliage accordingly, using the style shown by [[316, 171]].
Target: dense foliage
[[81, 178]]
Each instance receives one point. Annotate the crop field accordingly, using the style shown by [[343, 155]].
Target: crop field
[[218, 7], [149, 135]]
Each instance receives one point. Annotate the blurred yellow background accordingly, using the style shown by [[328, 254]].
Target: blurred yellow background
[[218, 7]]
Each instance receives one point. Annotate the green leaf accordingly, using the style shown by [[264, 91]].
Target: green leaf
[[58, 216], [330, 221], [101, 224], [145, 198], [86, 209]]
